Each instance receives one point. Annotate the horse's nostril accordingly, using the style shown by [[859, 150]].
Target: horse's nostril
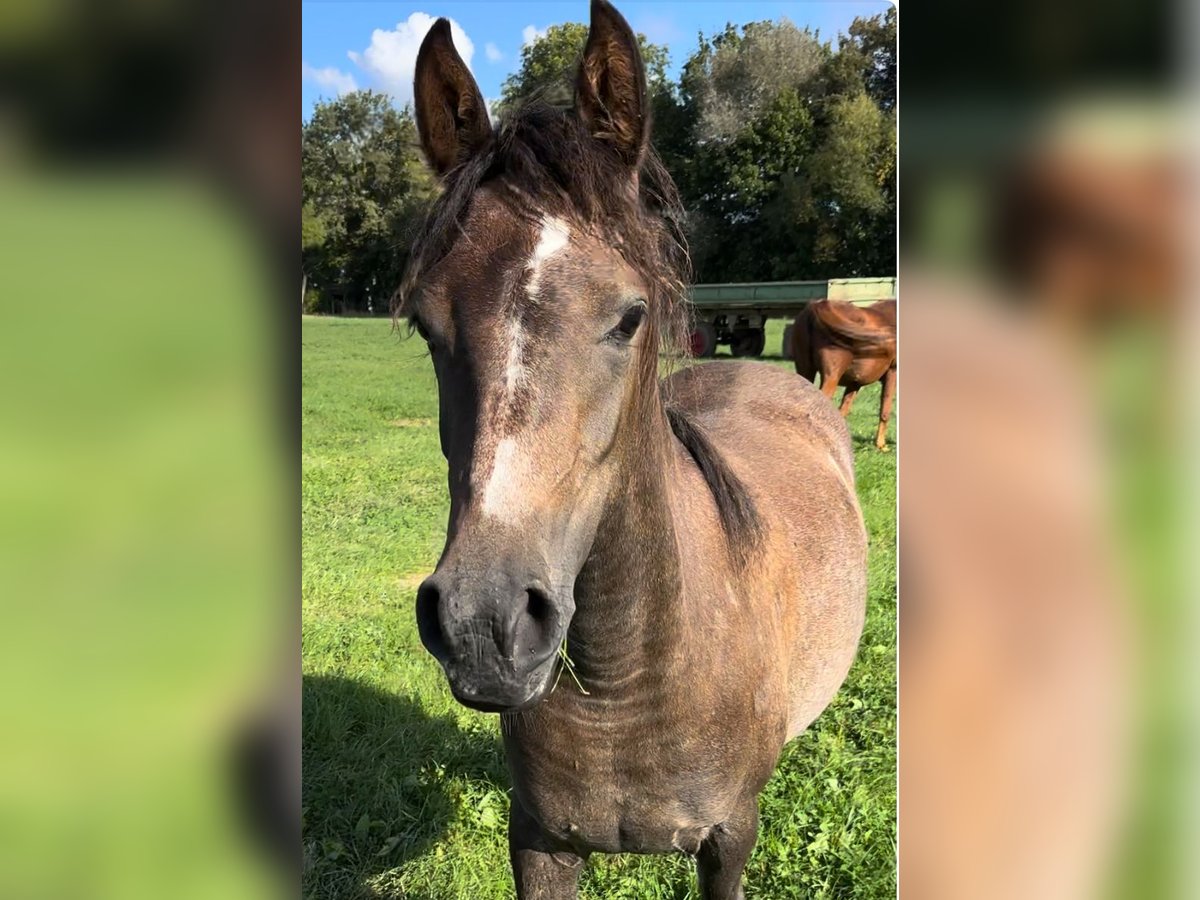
[[537, 604], [429, 625], [533, 629]]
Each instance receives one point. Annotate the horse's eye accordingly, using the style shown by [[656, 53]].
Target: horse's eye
[[629, 323]]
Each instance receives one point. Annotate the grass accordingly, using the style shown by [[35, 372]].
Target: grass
[[405, 791]]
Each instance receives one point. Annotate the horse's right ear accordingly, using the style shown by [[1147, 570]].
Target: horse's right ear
[[452, 118]]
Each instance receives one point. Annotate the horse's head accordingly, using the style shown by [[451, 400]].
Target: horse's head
[[543, 284]]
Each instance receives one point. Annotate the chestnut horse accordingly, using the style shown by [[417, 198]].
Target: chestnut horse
[[646, 535], [852, 346]]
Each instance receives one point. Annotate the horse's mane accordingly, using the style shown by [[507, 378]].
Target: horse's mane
[[548, 155], [735, 506]]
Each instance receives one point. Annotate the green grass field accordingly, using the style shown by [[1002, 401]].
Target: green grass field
[[405, 791]]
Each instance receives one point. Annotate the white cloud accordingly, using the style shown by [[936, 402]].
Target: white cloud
[[391, 58], [530, 34], [492, 52], [329, 78]]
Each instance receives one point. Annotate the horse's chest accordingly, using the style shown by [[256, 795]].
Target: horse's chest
[[618, 822], [619, 795]]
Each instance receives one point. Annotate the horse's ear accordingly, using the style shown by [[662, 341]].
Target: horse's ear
[[452, 118], [610, 90]]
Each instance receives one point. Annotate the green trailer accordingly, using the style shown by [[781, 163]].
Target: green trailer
[[737, 314]]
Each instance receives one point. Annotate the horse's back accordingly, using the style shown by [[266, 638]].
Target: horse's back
[[751, 408], [881, 315], [792, 450]]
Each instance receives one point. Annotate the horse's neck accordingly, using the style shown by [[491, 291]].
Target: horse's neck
[[627, 595]]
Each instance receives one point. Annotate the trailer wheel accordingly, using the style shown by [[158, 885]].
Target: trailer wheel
[[788, 349], [703, 343], [749, 342]]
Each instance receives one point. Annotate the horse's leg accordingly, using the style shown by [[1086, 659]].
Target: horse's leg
[[885, 407], [831, 374], [540, 872], [848, 396], [723, 855]]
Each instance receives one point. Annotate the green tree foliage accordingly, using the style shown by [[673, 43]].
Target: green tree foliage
[[312, 228], [784, 150], [365, 189], [737, 77], [873, 41], [548, 66]]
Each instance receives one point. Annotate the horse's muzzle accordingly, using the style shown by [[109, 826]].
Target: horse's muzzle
[[496, 640]]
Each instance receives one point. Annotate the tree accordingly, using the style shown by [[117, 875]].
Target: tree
[[784, 156], [549, 63], [312, 229], [744, 107], [312, 241], [364, 189], [737, 77], [874, 41]]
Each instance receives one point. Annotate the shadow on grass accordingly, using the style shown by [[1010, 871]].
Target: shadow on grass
[[379, 781]]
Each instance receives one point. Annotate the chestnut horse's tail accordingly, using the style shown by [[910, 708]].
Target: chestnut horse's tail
[[802, 346], [836, 320]]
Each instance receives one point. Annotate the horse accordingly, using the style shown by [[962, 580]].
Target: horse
[[1089, 233], [851, 346], [631, 578]]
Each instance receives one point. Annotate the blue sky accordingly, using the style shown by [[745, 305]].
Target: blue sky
[[350, 44]]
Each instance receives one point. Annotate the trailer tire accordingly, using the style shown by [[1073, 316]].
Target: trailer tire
[[788, 349], [749, 342], [703, 341]]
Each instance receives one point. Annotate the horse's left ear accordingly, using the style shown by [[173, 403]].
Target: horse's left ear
[[610, 90]]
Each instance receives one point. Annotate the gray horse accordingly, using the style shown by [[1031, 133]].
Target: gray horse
[[694, 543]]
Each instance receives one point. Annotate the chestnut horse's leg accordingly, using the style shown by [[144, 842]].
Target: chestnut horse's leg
[[885, 407], [832, 368], [848, 396], [723, 855], [540, 872]]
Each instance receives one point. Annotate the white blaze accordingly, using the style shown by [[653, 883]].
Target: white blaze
[[514, 371], [553, 239], [510, 468], [501, 496]]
